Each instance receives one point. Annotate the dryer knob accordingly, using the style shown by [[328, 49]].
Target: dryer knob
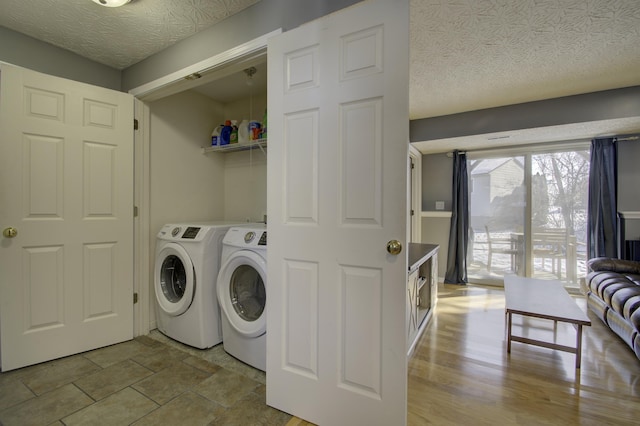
[[249, 236], [175, 231]]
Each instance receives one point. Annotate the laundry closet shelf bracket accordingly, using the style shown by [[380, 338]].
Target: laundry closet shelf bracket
[[260, 143]]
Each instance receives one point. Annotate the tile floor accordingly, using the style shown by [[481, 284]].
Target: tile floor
[[151, 380]]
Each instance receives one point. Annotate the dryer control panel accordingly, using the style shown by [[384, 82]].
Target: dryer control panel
[[251, 236], [263, 239], [246, 237]]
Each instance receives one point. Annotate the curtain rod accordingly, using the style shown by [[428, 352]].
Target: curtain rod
[[538, 145], [624, 138]]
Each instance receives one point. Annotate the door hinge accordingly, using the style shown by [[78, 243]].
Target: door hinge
[[135, 211], [135, 298], [412, 165], [412, 212], [135, 124]]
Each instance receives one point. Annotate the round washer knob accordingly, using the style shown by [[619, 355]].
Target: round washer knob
[[249, 236], [175, 231]]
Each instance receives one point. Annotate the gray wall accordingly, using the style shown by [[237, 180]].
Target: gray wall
[[437, 175], [255, 21], [437, 169], [629, 184], [27, 52], [610, 104], [604, 105]]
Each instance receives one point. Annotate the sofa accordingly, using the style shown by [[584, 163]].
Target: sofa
[[613, 294]]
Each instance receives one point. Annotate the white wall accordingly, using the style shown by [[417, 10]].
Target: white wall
[[187, 185], [245, 188]]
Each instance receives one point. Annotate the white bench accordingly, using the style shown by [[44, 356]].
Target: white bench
[[542, 299]]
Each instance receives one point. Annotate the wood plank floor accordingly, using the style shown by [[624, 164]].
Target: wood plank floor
[[461, 374]]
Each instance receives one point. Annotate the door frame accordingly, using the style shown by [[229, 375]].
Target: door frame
[[210, 69], [414, 232]]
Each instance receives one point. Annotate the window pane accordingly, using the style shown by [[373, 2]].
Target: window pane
[[559, 214], [496, 204]]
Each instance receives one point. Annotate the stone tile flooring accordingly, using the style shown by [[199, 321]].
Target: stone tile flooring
[[151, 380]]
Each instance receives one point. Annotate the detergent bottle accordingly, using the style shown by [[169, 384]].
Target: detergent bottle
[[225, 133], [264, 125], [234, 132], [215, 136], [243, 131]]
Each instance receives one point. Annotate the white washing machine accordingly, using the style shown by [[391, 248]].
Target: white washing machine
[[186, 269], [242, 294]]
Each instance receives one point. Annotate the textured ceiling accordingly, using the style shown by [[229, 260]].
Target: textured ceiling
[[465, 54], [474, 54], [118, 37]]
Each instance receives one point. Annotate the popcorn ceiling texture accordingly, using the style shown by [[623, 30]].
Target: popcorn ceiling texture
[[465, 54], [474, 54], [118, 37]]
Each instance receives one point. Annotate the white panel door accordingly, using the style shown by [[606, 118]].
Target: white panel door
[[337, 193], [66, 186]]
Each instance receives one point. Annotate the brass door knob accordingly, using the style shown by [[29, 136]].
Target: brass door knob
[[394, 247], [10, 232]]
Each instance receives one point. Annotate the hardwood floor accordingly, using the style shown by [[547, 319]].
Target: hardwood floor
[[461, 374]]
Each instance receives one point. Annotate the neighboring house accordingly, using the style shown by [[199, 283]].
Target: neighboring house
[[491, 179]]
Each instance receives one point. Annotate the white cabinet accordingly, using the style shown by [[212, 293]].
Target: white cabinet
[[422, 290]]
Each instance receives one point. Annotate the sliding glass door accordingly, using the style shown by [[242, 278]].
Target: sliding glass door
[[528, 214], [559, 214], [497, 196]]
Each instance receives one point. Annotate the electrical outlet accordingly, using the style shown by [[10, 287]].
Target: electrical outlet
[[439, 205]]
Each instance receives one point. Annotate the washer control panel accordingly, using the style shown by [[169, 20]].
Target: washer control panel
[[191, 232], [181, 232]]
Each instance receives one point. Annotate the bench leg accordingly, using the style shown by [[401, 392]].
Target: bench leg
[[579, 346], [509, 332]]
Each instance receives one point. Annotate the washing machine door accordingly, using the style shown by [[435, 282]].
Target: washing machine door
[[175, 279], [242, 293]]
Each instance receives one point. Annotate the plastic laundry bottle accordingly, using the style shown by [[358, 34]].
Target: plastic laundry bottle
[[225, 133], [243, 131], [215, 136], [234, 132]]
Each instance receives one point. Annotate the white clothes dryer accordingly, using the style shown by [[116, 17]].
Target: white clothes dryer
[[186, 269], [242, 294]]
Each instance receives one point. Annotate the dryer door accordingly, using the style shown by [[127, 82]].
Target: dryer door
[[175, 279], [242, 294]]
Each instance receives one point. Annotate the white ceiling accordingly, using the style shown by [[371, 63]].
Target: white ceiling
[[118, 37], [465, 54], [473, 54]]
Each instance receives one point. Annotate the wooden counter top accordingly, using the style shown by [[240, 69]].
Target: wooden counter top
[[419, 253]]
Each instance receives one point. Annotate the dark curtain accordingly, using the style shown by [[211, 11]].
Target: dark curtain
[[459, 231], [602, 208]]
